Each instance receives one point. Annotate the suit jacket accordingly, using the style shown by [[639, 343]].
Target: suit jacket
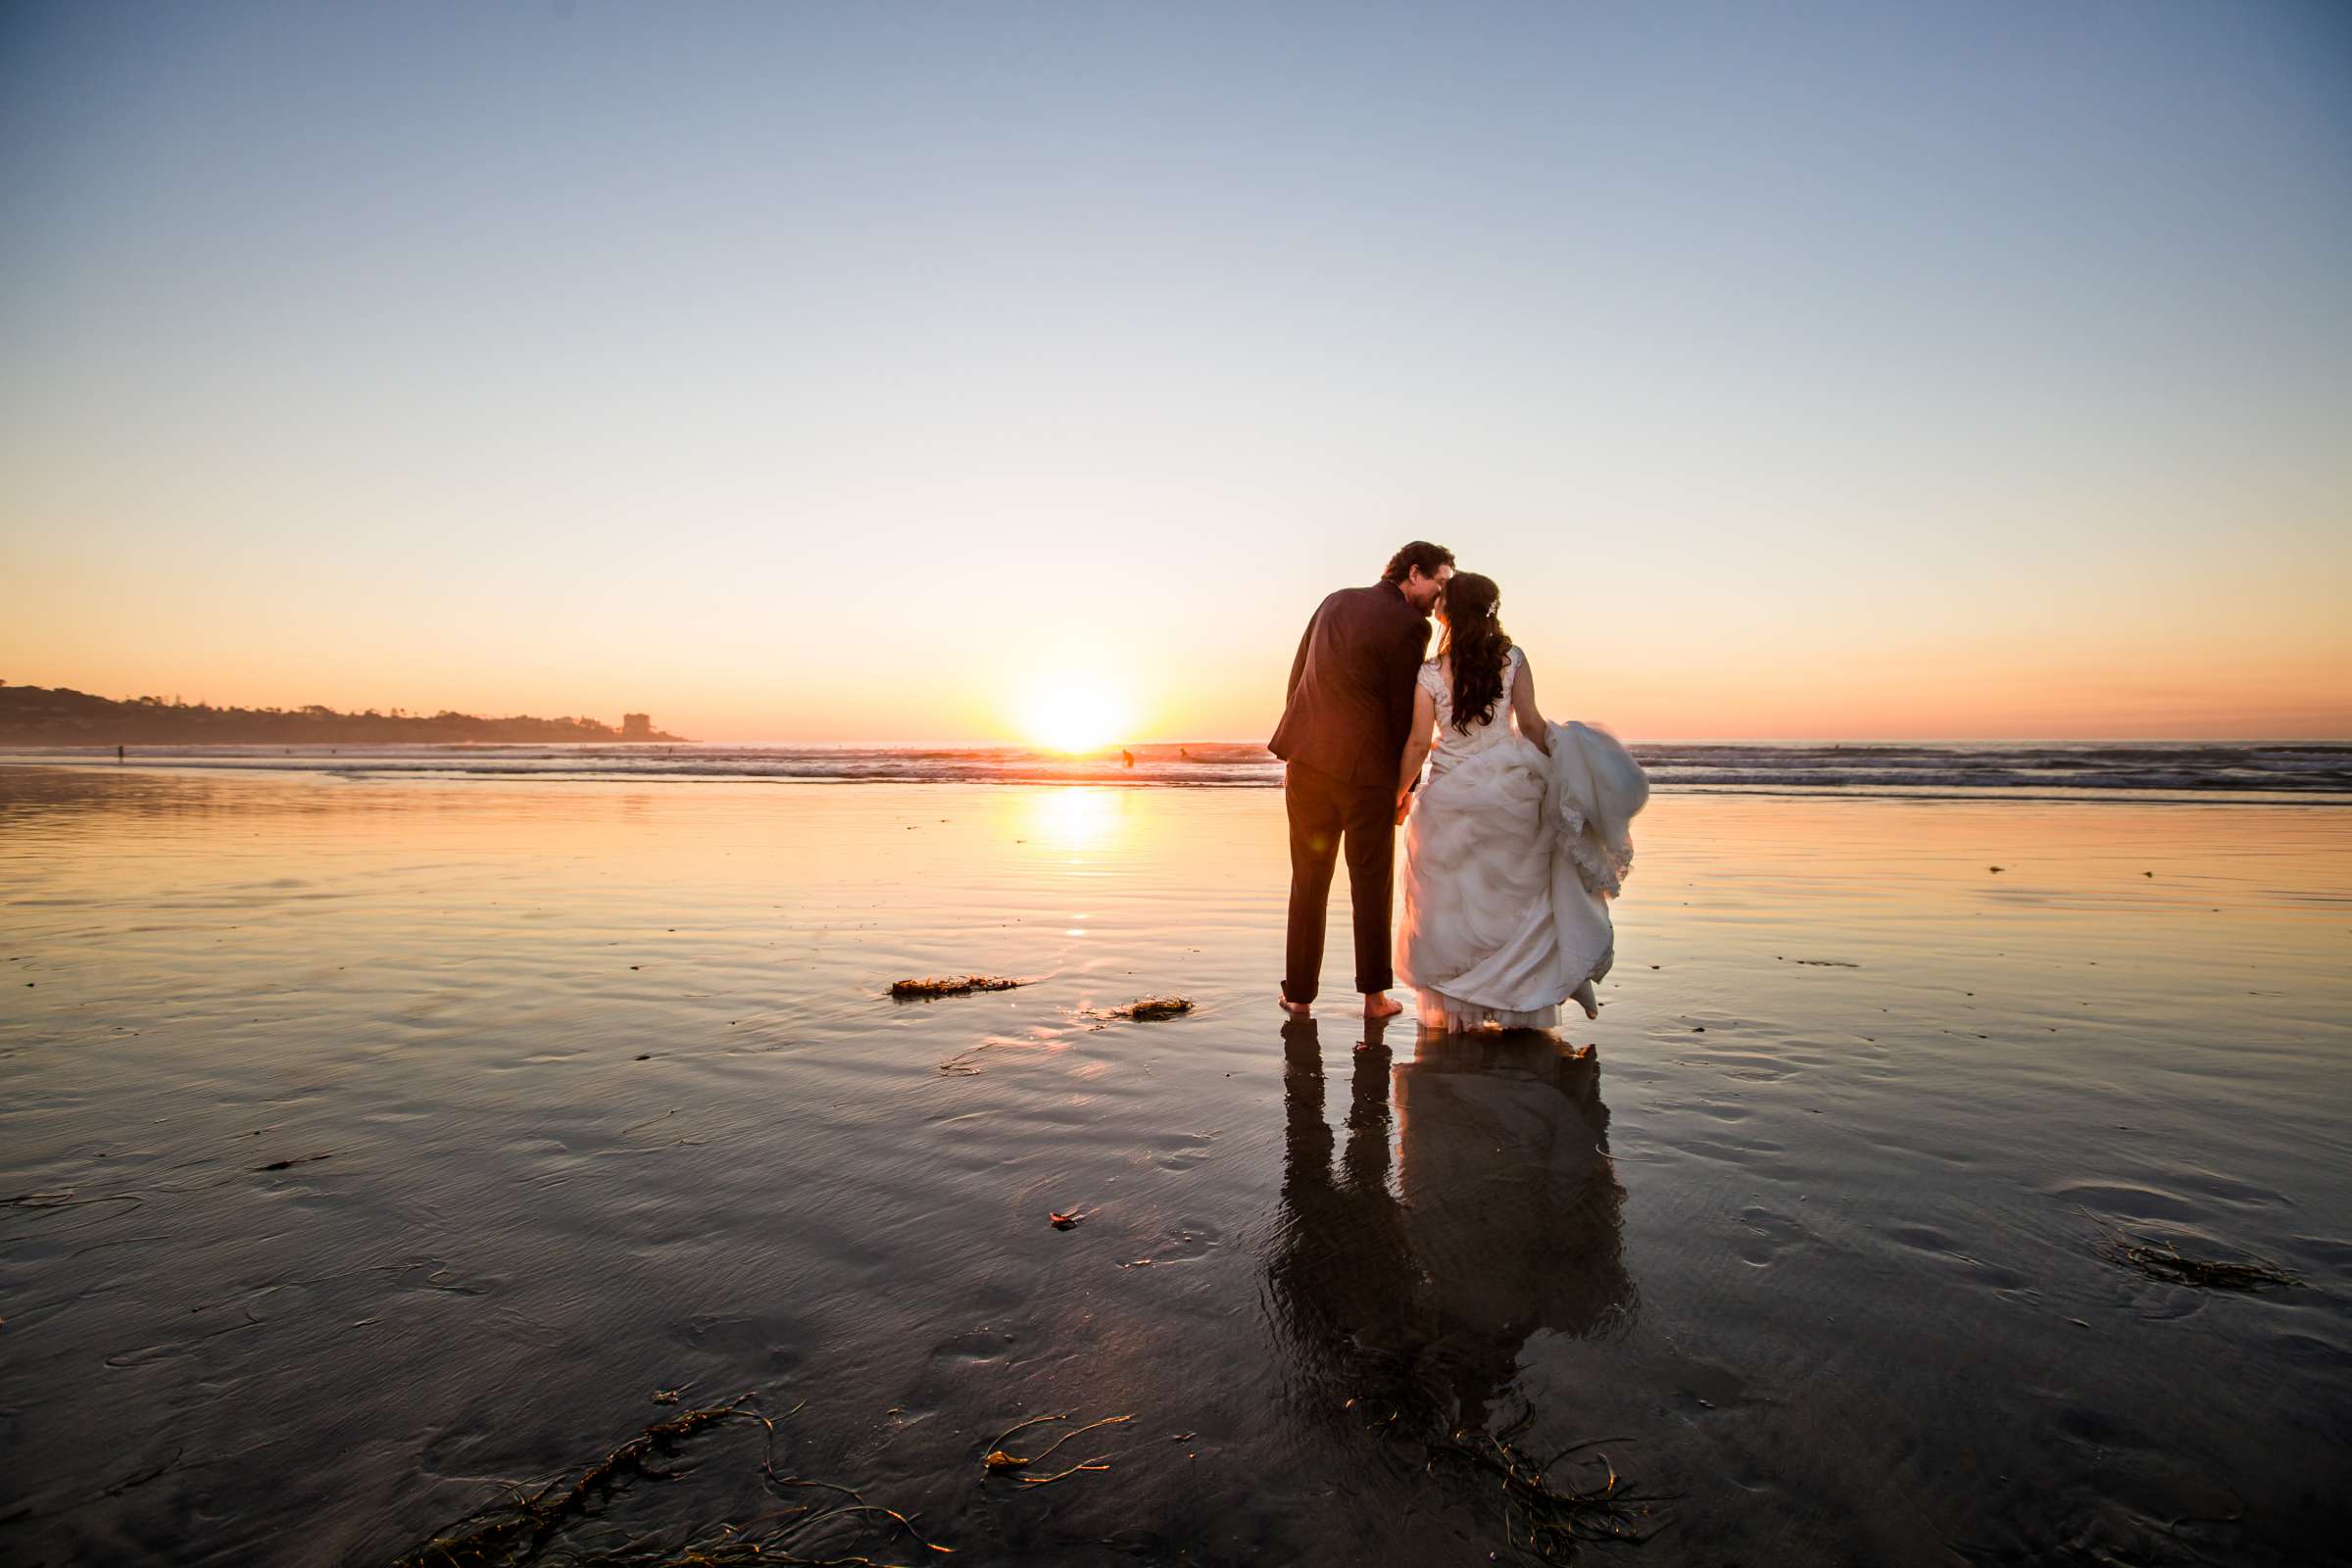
[[1350, 698]]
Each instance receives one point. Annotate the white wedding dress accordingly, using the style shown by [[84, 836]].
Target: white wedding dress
[[1511, 858]]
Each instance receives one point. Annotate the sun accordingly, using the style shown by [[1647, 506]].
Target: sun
[[1074, 717]]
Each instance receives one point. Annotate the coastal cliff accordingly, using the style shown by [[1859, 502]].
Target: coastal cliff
[[61, 717]]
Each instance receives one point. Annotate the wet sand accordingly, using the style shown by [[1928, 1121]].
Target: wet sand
[[612, 1102]]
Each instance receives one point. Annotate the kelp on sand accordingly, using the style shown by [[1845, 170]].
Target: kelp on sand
[[2163, 1261], [529, 1524], [1548, 1516], [929, 987]]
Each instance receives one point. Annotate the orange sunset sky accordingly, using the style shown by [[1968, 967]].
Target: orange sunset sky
[[841, 374]]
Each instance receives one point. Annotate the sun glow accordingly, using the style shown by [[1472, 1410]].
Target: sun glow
[[1074, 819], [1074, 717]]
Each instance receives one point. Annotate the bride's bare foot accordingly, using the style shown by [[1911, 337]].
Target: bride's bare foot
[[1297, 1010], [1382, 1006]]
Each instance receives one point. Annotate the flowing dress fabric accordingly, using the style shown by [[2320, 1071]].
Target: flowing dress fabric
[[1511, 858]]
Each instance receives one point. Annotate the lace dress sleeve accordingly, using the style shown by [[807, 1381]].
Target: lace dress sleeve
[[1433, 682]]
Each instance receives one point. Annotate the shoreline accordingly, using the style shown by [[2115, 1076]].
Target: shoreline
[[313, 768]]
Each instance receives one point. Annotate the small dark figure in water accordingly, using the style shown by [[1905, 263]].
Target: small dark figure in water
[[117, 756], [1128, 758]]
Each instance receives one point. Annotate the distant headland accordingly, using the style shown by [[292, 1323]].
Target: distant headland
[[61, 717]]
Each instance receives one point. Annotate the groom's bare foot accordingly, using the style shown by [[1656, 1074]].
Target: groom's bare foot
[[1379, 1005], [1297, 1010]]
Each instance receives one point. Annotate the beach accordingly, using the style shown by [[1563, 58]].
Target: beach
[[374, 1142]]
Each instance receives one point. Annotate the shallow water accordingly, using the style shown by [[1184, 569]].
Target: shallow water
[[2277, 772], [613, 1102]]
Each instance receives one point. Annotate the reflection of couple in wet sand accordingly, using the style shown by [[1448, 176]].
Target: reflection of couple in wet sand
[[1514, 845], [1503, 1219], [1503, 1215]]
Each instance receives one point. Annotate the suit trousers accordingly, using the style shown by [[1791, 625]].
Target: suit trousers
[[1325, 813]]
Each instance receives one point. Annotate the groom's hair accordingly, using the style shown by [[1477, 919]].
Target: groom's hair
[[1420, 553]]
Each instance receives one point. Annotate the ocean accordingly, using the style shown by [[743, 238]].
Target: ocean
[[2282, 771]]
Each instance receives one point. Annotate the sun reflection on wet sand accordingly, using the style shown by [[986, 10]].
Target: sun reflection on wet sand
[[1080, 819]]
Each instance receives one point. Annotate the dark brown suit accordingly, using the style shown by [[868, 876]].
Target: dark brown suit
[[1342, 732]]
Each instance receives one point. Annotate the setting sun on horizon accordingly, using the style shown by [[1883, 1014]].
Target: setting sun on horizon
[[1075, 715]]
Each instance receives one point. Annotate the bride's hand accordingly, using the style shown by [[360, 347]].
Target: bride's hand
[[1405, 806]]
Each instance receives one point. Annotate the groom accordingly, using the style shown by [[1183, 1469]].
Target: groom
[[1343, 733]]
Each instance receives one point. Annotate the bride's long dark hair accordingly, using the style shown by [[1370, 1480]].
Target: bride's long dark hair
[[1478, 646]]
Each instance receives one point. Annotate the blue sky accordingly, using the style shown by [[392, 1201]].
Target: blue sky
[[864, 371]]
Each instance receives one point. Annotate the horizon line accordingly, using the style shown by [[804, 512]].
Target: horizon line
[[1114, 746]]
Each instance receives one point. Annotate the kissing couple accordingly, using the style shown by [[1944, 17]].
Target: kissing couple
[[1514, 844]]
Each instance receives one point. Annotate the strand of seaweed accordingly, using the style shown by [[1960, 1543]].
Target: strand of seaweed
[[997, 1461], [1143, 1009], [1546, 1517], [2165, 1262], [959, 1066], [524, 1526], [60, 1198], [964, 1064]]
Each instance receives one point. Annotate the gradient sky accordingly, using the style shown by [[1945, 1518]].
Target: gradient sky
[[875, 372]]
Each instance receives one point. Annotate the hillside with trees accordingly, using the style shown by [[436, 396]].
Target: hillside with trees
[[38, 716]]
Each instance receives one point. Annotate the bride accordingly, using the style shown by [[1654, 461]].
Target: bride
[[1517, 842]]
